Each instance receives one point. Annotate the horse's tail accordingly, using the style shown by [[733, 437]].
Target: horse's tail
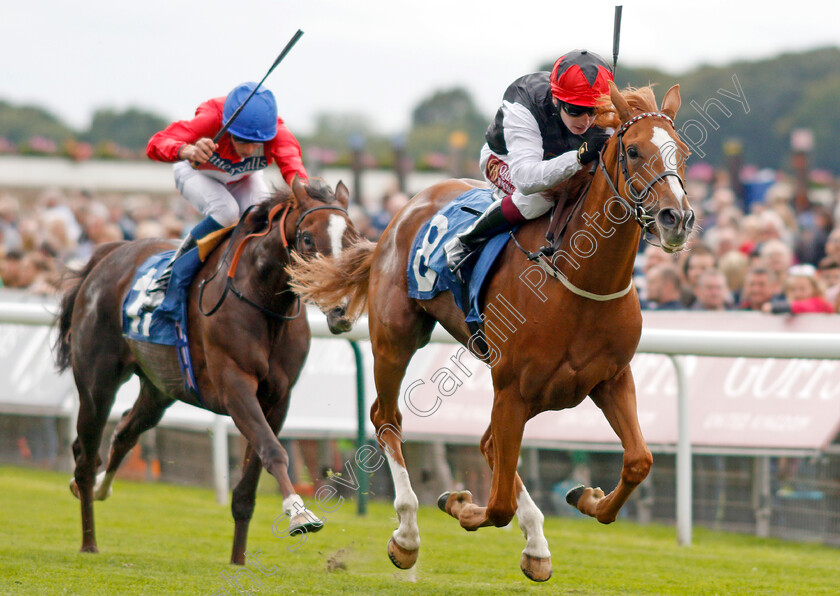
[[72, 281], [329, 282]]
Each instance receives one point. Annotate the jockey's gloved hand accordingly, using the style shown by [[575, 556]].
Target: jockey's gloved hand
[[591, 148]]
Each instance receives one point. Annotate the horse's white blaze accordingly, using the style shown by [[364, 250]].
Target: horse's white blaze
[[531, 521], [335, 230], [669, 151], [407, 535]]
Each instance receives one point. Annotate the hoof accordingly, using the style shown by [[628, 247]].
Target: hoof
[[89, 548], [574, 495], [74, 488], [310, 527], [441, 501], [463, 496], [400, 557], [536, 569]]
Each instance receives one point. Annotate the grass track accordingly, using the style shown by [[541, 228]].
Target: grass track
[[161, 539]]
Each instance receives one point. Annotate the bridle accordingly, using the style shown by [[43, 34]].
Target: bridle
[[640, 214], [286, 208], [637, 209]]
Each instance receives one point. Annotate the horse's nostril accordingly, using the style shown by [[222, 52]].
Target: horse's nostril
[[689, 221], [668, 218]]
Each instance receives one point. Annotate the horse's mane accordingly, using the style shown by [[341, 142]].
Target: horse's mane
[[640, 99], [316, 189]]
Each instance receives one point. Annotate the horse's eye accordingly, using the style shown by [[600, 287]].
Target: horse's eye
[[306, 242], [632, 152]]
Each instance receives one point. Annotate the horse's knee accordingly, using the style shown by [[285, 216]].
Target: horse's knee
[[635, 470], [273, 457]]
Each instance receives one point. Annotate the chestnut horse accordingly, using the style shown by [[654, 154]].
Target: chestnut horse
[[246, 356], [565, 341]]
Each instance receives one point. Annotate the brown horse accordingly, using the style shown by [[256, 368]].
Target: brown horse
[[247, 355], [551, 344]]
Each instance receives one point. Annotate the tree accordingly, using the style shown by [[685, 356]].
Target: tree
[[437, 117], [19, 124], [130, 129]]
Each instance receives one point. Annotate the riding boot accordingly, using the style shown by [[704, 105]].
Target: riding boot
[[459, 248], [157, 289]]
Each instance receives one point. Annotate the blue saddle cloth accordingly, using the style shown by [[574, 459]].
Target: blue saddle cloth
[[167, 324], [428, 274]]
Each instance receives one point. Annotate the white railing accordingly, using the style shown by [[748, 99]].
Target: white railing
[[673, 343]]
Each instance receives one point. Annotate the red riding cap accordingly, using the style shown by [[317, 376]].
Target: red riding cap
[[580, 78]]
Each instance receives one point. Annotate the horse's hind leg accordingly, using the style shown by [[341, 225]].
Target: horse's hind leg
[[96, 397], [617, 399], [144, 414], [393, 346]]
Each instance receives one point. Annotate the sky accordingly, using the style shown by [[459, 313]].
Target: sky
[[378, 58]]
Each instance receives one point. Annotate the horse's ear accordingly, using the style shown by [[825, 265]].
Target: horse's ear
[[621, 105], [300, 192], [671, 102], [342, 194]]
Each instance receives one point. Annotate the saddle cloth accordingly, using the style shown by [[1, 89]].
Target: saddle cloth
[[428, 274], [167, 324]]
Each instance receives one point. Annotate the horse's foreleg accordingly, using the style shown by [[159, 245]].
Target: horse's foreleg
[[252, 423], [144, 414], [617, 399], [536, 558], [245, 491], [242, 503]]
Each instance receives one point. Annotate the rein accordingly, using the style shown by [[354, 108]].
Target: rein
[[640, 214], [230, 285]]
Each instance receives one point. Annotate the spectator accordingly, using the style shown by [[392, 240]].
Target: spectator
[[777, 256], [734, 266], [392, 202], [664, 288], [803, 294], [653, 256], [711, 291], [832, 245], [696, 262], [828, 273], [760, 286]]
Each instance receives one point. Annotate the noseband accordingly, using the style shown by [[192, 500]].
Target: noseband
[[640, 214], [286, 207]]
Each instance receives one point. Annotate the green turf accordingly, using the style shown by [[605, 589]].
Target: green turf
[[162, 539]]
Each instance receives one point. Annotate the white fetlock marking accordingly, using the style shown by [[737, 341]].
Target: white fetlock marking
[[104, 485], [407, 535], [298, 514], [531, 521]]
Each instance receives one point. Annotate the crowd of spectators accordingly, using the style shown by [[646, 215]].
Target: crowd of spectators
[[778, 253]]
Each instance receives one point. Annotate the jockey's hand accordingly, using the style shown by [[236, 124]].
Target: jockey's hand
[[199, 152], [591, 148]]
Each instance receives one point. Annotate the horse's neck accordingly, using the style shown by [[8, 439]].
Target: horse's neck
[[598, 254]]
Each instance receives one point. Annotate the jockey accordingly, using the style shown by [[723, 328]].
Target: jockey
[[543, 134], [222, 180]]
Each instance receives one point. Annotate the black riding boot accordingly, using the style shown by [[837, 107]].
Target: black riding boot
[[491, 222], [157, 290]]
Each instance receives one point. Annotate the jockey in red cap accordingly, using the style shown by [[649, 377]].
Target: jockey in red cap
[[542, 134]]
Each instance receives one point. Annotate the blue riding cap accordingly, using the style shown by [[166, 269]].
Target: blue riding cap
[[257, 122]]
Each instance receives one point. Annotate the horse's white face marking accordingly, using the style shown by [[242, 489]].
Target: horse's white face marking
[[335, 230], [669, 156]]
